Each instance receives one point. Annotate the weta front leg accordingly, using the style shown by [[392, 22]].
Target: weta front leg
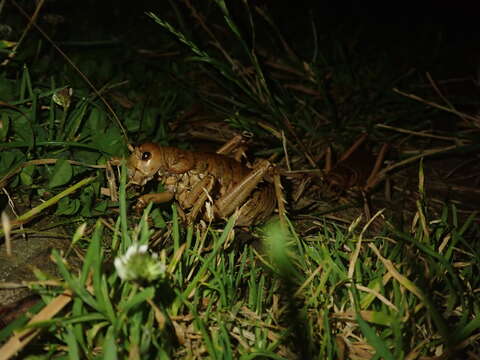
[[156, 198]]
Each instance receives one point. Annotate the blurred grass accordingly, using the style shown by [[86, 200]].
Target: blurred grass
[[330, 292]]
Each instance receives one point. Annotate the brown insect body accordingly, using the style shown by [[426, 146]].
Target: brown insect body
[[213, 184]]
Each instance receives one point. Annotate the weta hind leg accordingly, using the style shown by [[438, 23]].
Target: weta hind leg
[[226, 205], [259, 207]]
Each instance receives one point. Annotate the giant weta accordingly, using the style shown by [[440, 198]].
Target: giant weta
[[210, 184]]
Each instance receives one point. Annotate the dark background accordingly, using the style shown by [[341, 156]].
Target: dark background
[[403, 28]]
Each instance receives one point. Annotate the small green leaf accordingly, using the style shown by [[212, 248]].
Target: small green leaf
[[66, 206], [22, 129], [62, 174], [26, 176], [9, 159], [101, 206], [110, 142], [87, 156], [86, 199], [97, 122]]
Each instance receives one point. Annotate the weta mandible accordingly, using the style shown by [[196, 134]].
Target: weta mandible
[[210, 184]]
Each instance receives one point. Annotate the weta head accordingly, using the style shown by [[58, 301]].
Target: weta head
[[144, 163]]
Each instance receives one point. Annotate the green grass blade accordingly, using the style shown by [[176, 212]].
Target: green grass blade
[[374, 340], [203, 269], [72, 344], [110, 351], [73, 283], [126, 242], [139, 298]]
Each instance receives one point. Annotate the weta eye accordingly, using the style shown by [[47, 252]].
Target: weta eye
[[146, 155]]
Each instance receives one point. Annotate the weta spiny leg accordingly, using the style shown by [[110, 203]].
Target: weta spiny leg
[[227, 204], [191, 197], [234, 148], [198, 196], [259, 206]]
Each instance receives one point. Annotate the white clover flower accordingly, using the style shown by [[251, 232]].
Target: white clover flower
[[138, 264]]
